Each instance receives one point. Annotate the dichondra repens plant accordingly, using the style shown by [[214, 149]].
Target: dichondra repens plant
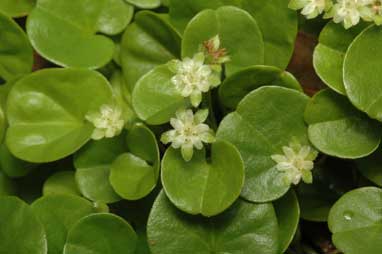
[[180, 126]]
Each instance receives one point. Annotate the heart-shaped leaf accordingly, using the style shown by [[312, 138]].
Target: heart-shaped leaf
[[361, 72], [65, 32], [100, 234], [17, 8], [265, 120], [238, 85], [58, 213], [370, 167], [145, 4], [134, 175], [245, 228], [203, 185], [244, 49], [328, 58], [46, 112], [12, 166], [62, 182], [16, 55], [337, 128], [93, 164], [21, 232], [162, 43], [355, 221]]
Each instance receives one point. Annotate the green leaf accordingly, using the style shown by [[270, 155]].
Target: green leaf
[[100, 234], [329, 54], [62, 182], [16, 54], [21, 232], [238, 85], [58, 213], [134, 175], [145, 4], [355, 221], [370, 167], [361, 72], [288, 216], [245, 228], [162, 44], [2, 124], [46, 112], [244, 49], [12, 166], [206, 186], [336, 128], [155, 98], [265, 120], [17, 8], [93, 163], [65, 32], [7, 186]]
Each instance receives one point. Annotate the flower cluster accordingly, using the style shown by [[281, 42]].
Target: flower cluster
[[108, 122], [348, 12], [189, 132], [296, 163]]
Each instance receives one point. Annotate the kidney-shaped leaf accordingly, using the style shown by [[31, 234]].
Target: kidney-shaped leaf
[[46, 112], [244, 49], [265, 120], [21, 232], [355, 221], [17, 8], [245, 228], [64, 32], [337, 128], [203, 185]]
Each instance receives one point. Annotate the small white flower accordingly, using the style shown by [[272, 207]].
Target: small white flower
[[193, 77], [189, 132], [348, 11], [108, 122], [296, 163], [310, 8], [372, 11]]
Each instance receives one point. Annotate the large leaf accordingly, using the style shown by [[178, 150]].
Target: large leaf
[[244, 49], [355, 221], [337, 128], [161, 44], [245, 228], [16, 55], [265, 120], [64, 32], [100, 234], [16, 8], [46, 112], [203, 185], [21, 232]]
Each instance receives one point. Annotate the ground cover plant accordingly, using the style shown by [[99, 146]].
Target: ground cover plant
[[190, 126]]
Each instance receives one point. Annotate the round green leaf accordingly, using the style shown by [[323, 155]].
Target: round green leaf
[[162, 43], [58, 213], [12, 166], [329, 54], [265, 120], [100, 234], [203, 185], [355, 221], [61, 183], [336, 128], [361, 72], [370, 167], [93, 163], [64, 32], [17, 8], [155, 98], [134, 175], [21, 232], [46, 112], [288, 216], [145, 4], [238, 85], [244, 49], [16, 54], [245, 228]]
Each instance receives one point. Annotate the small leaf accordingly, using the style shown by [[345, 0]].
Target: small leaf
[[62, 182]]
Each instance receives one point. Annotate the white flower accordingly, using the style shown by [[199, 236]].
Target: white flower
[[348, 11], [189, 132], [310, 8], [108, 122], [372, 11], [296, 163], [193, 77]]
